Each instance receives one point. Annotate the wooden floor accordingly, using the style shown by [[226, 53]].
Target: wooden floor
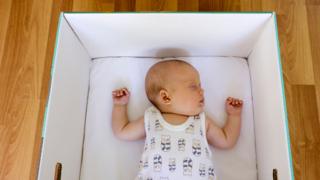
[[27, 34]]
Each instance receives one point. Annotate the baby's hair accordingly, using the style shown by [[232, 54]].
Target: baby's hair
[[158, 75]]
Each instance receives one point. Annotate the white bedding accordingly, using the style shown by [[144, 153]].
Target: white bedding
[[105, 157]]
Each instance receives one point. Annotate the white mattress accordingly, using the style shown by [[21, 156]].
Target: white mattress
[[105, 157]]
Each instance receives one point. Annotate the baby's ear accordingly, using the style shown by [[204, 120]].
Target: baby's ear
[[164, 97]]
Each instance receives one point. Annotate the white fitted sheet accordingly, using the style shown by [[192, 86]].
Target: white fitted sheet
[[105, 157]]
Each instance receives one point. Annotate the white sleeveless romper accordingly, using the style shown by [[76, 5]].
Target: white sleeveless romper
[[175, 152]]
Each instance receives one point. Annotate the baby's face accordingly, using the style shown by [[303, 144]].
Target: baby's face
[[187, 96]]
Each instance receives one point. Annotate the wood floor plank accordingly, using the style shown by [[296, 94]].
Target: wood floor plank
[[125, 5], [314, 33], [219, 5], [313, 12], [304, 130], [317, 86], [5, 7], [5, 142], [94, 6], [313, 2], [156, 5], [188, 5], [21, 74], [258, 5], [295, 43]]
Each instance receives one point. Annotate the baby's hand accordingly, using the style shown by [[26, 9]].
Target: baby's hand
[[233, 106], [120, 96]]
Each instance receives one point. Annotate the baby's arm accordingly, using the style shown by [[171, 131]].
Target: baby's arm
[[227, 136], [121, 126]]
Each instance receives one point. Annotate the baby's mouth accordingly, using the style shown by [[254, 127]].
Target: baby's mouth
[[201, 101]]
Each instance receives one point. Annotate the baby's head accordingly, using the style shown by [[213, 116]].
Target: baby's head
[[174, 86]]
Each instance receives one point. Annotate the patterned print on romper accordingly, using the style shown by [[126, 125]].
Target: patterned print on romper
[[164, 178], [187, 166], [148, 126], [207, 151], [140, 164], [145, 163], [202, 170], [196, 147], [172, 164], [181, 144], [157, 163], [152, 143], [158, 126], [140, 177], [153, 111], [145, 146], [211, 173], [165, 143], [201, 132], [190, 129]]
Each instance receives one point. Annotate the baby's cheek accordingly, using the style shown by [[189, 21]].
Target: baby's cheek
[[185, 104], [192, 105]]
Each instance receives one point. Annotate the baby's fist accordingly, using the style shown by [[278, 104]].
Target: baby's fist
[[120, 96], [234, 106]]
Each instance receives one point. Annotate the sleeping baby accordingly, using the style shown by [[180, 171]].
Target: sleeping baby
[[176, 130]]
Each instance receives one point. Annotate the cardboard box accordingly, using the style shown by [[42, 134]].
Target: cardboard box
[[82, 37]]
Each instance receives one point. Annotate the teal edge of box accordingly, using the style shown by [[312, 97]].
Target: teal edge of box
[[172, 12], [44, 127], [284, 97]]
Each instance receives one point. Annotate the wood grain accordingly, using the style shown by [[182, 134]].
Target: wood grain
[[220, 5], [27, 37], [21, 72], [156, 5], [258, 5], [314, 29], [4, 14], [188, 5], [125, 5], [295, 43], [98, 5], [304, 130]]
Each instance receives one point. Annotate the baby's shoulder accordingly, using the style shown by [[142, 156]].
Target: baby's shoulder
[[151, 111], [208, 121]]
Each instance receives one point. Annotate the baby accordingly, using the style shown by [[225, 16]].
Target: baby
[[175, 128]]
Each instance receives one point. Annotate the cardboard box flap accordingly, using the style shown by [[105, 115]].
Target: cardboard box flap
[[168, 34], [66, 108]]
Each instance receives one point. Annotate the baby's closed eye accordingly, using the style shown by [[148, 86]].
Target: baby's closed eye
[[195, 86]]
